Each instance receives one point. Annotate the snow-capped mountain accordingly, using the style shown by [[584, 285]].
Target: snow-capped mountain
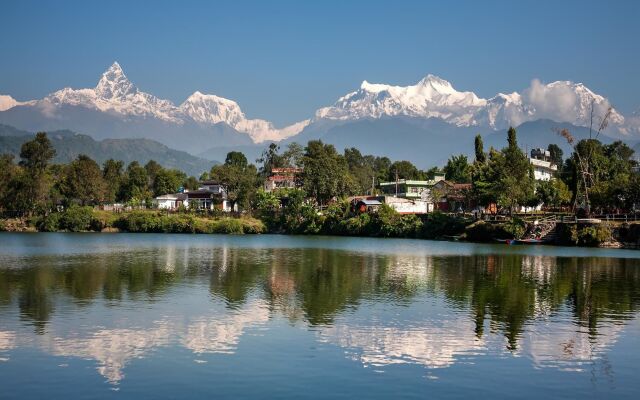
[[116, 95], [422, 118], [208, 108], [434, 97]]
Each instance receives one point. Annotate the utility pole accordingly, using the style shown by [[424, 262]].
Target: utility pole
[[373, 185], [396, 182]]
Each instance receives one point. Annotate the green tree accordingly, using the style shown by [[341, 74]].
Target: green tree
[[556, 154], [481, 157], [30, 189], [458, 169], [239, 178], [112, 175], [37, 153], [135, 188], [83, 182], [325, 172], [404, 170]]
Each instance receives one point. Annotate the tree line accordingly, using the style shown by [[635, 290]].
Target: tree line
[[34, 185]]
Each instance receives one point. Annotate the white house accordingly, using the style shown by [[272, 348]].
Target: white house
[[169, 201], [543, 168]]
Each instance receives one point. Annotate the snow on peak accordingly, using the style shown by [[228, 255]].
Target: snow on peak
[[114, 84], [212, 109], [434, 97]]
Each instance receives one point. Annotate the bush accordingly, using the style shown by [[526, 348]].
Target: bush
[[3, 226], [485, 232], [593, 235], [566, 234], [515, 227], [228, 225], [49, 223], [438, 224], [76, 219]]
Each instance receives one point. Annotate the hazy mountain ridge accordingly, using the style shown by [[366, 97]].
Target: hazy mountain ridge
[[69, 145]]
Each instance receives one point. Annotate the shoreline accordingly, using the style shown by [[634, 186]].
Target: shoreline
[[612, 245]]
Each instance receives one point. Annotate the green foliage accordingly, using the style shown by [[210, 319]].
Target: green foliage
[[481, 157], [458, 169], [157, 222], [83, 181], [481, 231], [438, 225], [37, 153], [325, 172], [49, 223], [593, 235], [239, 178], [76, 219], [515, 227]]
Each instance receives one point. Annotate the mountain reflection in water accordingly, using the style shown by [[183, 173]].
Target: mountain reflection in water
[[381, 309]]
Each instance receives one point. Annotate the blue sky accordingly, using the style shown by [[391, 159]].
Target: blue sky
[[281, 60]]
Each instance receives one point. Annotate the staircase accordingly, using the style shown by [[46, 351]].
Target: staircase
[[544, 230]]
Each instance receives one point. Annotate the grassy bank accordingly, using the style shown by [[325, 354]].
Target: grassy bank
[[336, 220], [86, 219]]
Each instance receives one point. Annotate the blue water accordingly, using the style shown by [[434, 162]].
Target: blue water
[[208, 316]]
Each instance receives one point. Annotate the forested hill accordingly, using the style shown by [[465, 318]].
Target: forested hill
[[69, 145]]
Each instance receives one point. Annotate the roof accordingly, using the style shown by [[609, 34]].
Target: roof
[[367, 202], [409, 182], [201, 194], [209, 183]]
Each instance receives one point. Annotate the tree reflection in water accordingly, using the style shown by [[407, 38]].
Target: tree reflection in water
[[382, 308]]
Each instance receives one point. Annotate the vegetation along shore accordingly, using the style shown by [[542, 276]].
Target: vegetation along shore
[[587, 199]]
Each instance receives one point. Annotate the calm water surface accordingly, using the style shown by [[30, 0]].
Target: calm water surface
[[186, 316]]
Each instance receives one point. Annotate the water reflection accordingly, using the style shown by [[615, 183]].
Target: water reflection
[[382, 309]]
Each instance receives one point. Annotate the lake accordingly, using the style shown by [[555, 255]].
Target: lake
[[270, 316]]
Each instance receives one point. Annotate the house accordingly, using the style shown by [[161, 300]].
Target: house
[[169, 201], [210, 195], [543, 167], [366, 205], [452, 196], [283, 178], [410, 189], [401, 205]]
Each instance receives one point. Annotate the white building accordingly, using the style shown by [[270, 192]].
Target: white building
[[169, 201], [543, 168]]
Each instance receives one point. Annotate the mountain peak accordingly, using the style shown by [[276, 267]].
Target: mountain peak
[[114, 83]]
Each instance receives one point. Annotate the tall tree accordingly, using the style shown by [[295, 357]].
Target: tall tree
[[83, 181], [556, 154], [325, 172], [37, 153], [458, 169], [238, 177], [31, 188], [112, 174], [481, 157]]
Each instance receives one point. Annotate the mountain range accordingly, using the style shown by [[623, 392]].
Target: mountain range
[[69, 145], [424, 123]]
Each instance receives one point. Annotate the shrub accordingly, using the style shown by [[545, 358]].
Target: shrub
[[485, 232], [515, 227], [593, 235], [252, 225], [49, 223], [139, 221], [76, 219], [3, 226], [228, 225], [438, 224], [566, 234]]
